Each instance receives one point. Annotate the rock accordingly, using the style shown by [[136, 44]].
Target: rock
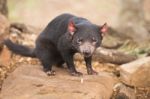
[[20, 27], [5, 57], [123, 92], [23, 34], [30, 82], [5, 63], [136, 73], [4, 24]]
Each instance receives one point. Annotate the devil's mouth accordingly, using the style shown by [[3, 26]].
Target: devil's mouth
[[87, 54]]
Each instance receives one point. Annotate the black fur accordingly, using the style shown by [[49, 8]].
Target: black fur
[[19, 49], [55, 45]]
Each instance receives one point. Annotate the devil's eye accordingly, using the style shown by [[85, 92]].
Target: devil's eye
[[79, 40], [94, 40]]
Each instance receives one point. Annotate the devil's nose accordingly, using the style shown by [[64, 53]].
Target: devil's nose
[[86, 52]]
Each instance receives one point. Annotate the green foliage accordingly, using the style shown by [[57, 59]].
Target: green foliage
[[133, 48]]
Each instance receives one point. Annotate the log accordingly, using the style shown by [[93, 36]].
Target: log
[[113, 56]]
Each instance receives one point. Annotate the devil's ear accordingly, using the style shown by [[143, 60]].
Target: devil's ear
[[71, 27], [104, 28]]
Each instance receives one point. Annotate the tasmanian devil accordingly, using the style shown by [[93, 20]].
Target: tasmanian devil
[[64, 36]]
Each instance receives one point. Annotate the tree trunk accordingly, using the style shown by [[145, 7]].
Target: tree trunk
[[132, 20], [3, 7]]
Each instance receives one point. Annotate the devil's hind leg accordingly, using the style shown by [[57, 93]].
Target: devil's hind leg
[[46, 58], [45, 52]]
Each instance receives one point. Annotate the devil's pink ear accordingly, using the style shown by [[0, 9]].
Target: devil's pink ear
[[71, 27], [104, 28]]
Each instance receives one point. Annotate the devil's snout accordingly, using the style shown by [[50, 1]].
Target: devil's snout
[[86, 52]]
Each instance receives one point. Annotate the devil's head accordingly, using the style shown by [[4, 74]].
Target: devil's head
[[86, 37]]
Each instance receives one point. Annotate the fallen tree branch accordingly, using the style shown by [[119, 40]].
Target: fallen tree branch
[[110, 56], [113, 56]]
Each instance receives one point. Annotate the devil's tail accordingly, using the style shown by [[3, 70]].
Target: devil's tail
[[19, 49]]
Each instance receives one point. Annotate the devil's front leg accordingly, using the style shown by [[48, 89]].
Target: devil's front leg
[[68, 58], [88, 61]]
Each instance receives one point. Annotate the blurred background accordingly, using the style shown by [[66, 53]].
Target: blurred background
[[43, 12], [39, 13], [131, 17]]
